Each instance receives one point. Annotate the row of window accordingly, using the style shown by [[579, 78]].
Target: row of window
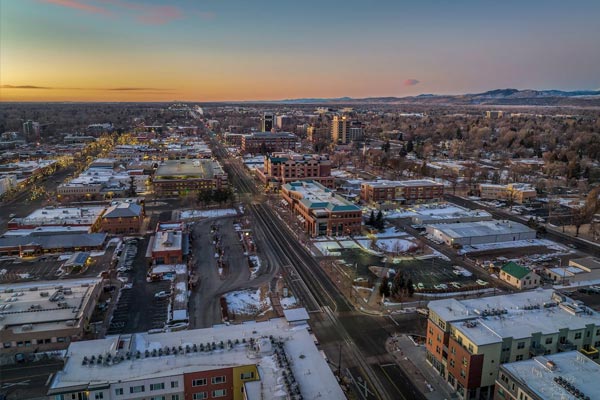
[[215, 380], [27, 343], [142, 388], [215, 394]]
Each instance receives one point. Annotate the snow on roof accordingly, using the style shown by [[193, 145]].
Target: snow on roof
[[63, 216], [309, 368], [539, 375], [520, 320], [481, 228], [296, 315]]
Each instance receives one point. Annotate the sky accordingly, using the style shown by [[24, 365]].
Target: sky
[[229, 50]]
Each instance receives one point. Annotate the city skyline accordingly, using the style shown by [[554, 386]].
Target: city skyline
[[116, 50]]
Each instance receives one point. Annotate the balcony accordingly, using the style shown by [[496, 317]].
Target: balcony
[[566, 346], [537, 350]]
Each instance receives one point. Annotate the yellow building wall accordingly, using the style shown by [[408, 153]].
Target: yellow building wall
[[238, 382]]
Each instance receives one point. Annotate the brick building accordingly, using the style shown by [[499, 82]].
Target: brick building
[[122, 217], [282, 168], [403, 192], [188, 176], [268, 142], [320, 211]]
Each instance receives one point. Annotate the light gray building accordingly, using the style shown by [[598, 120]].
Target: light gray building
[[473, 233]]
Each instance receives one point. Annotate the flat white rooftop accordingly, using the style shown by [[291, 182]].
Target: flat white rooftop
[[417, 182], [309, 368], [63, 216], [572, 366], [167, 240], [481, 228], [523, 314], [43, 306]]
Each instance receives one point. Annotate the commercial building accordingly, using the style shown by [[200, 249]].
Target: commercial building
[[266, 360], [320, 211], [169, 244], [184, 177], [282, 168], [44, 316], [579, 272], [445, 213], [315, 134], [468, 340], [7, 182], [473, 233], [122, 217], [517, 192], [268, 142], [344, 130], [402, 192], [519, 276], [267, 122], [60, 217], [44, 240], [569, 375], [102, 181]]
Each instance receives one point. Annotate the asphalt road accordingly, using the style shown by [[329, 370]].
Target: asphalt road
[[27, 380], [333, 318]]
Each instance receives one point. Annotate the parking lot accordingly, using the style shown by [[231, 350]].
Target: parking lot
[[432, 272]]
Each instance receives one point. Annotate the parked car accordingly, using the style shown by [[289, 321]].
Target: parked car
[[162, 295]]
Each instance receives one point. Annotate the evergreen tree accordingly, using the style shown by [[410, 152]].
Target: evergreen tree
[[384, 288], [131, 192], [410, 146], [371, 220], [409, 287], [379, 220]]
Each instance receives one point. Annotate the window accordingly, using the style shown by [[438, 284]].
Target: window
[[519, 357], [217, 379], [59, 397], [99, 395], [175, 397], [549, 340], [7, 345], [247, 375], [219, 393], [119, 391], [174, 384], [521, 345], [137, 389], [199, 382], [158, 398], [157, 386], [578, 335], [201, 395]]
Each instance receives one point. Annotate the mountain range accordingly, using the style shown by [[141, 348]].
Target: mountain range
[[516, 97]]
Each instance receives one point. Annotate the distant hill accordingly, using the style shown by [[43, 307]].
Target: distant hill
[[492, 97]]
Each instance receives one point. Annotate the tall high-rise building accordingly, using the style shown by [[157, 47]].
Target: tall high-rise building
[[31, 129], [268, 121], [339, 129]]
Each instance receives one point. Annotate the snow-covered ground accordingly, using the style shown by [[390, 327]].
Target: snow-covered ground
[[289, 302], [247, 302], [224, 212], [328, 248], [394, 245], [255, 260]]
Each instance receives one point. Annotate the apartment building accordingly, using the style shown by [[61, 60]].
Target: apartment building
[[315, 134], [517, 192], [44, 316], [401, 192], [320, 211], [468, 340], [268, 142], [282, 168], [236, 362], [344, 130], [569, 375], [188, 176]]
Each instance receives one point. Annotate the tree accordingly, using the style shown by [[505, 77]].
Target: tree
[[410, 146], [409, 287], [379, 220], [398, 284], [131, 192], [371, 220], [384, 288]]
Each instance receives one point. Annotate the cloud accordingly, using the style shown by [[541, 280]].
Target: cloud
[[79, 5], [148, 14], [24, 87], [411, 82], [159, 15], [132, 89]]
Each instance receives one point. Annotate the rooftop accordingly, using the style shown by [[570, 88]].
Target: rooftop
[[541, 375], [514, 269], [193, 168], [123, 209], [515, 315], [481, 228], [62, 216], [315, 195], [56, 240], [44, 306], [270, 135], [411, 183], [187, 352], [167, 240]]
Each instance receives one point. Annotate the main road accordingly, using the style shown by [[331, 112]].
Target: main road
[[359, 337]]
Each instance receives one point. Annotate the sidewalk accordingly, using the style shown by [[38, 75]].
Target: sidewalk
[[411, 358]]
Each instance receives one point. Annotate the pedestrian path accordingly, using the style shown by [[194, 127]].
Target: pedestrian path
[[411, 358]]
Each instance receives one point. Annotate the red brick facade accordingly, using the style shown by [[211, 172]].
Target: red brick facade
[[209, 382]]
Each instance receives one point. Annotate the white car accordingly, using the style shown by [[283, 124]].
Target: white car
[[162, 295]]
